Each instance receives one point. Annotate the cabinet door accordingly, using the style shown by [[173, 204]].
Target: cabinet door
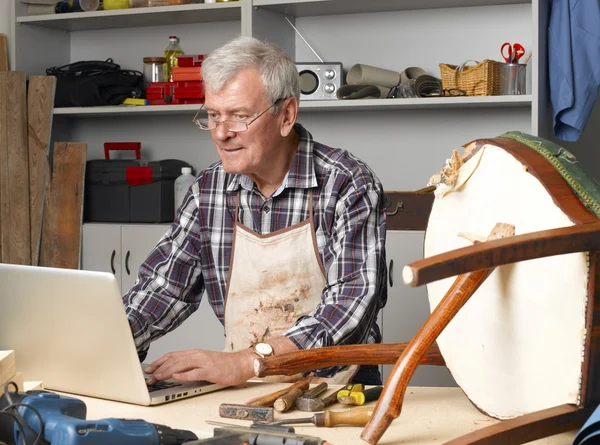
[[407, 308], [101, 248], [137, 242]]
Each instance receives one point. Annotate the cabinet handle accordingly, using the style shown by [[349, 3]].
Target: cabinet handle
[[399, 208], [391, 273], [112, 262], [127, 263]]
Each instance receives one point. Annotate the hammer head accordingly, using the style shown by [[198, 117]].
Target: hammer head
[[309, 401], [313, 404]]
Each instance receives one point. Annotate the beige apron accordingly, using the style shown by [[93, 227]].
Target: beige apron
[[274, 279]]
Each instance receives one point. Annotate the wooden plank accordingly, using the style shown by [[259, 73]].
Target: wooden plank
[[14, 175], [3, 54], [8, 366], [17, 379], [63, 205], [40, 104], [3, 165]]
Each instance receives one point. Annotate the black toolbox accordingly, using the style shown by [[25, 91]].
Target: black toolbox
[[130, 191]]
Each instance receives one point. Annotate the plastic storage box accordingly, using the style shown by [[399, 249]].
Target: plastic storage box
[[131, 190]]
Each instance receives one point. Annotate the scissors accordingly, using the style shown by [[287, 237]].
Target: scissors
[[515, 52]]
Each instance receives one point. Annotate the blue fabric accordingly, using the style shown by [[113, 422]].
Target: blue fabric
[[589, 432], [574, 64]]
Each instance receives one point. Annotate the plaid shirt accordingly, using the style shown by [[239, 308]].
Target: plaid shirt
[[195, 253]]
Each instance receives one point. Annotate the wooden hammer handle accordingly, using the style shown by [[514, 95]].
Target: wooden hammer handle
[[269, 399], [286, 401], [310, 359]]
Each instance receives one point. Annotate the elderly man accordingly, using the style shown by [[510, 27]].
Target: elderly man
[[285, 235]]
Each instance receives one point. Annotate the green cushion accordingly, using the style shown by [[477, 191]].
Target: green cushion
[[584, 186]]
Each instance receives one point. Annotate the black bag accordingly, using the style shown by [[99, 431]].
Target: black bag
[[93, 83]]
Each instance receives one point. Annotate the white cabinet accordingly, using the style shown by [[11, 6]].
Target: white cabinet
[[121, 249], [407, 308]]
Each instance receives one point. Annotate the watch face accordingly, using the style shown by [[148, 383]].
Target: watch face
[[263, 348]]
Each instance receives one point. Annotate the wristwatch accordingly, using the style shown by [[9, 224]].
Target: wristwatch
[[263, 349]]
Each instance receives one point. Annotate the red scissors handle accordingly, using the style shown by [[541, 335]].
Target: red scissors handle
[[519, 52], [513, 52], [504, 46]]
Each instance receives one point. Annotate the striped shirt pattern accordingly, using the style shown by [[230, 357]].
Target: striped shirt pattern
[[195, 254]]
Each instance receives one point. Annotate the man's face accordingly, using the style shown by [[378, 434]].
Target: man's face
[[250, 153]]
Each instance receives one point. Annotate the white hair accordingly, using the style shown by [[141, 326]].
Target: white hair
[[277, 71]]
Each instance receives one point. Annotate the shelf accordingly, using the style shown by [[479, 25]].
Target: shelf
[[305, 8], [137, 17], [121, 110], [315, 106], [416, 104]]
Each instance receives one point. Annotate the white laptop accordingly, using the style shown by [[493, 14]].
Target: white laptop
[[69, 329]]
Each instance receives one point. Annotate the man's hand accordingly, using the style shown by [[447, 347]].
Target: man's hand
[[225, 368]]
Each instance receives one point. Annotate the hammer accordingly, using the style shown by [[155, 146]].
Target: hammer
[[309, 401]]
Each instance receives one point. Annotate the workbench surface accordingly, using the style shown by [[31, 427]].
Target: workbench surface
[[429, 415]]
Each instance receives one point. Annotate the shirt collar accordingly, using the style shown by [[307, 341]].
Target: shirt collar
[[300, 175]]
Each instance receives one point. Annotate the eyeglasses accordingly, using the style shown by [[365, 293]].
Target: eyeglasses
[[209, 124]]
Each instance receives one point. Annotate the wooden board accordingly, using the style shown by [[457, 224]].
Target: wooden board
[[8, 366], [3, 160], [63, 205], [40, 105], [3, 54], [14, 169]]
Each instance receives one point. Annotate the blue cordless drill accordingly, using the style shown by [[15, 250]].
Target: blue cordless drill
[[60, 420]]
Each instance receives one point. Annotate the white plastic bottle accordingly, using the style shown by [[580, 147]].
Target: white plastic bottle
[[182, 185]]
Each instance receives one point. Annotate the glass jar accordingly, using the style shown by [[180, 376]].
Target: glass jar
[[154, 69]]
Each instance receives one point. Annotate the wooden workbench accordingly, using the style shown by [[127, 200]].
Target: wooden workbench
[[429, 416]]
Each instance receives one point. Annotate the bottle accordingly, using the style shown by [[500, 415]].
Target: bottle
[[89, 5], [171, 53], [182, 185]]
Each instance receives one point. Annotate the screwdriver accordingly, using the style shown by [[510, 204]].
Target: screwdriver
[[327, 418]]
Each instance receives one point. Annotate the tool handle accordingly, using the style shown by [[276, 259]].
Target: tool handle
[[361, 397], [285, 402], [314, 392], [354, 416], [269, 399]]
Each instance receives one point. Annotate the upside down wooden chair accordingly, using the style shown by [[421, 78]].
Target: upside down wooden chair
[[512, 269]]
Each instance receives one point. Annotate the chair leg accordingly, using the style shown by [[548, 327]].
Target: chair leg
[[528, 427]]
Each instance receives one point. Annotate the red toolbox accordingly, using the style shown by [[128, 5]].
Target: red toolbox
[[175, 93], [188, 90], [188, 60]]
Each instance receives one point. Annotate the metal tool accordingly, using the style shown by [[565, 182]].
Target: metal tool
[[514, 52], [246, 412], [258, 434], [309, 401], [327, 418], [356, 395]]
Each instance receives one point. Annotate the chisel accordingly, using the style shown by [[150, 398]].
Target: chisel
[[354, 416]]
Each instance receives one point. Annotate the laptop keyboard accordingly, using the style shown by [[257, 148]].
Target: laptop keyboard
[[163, 384]]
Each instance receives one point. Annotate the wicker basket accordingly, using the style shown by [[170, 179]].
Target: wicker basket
[[482, 79]]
